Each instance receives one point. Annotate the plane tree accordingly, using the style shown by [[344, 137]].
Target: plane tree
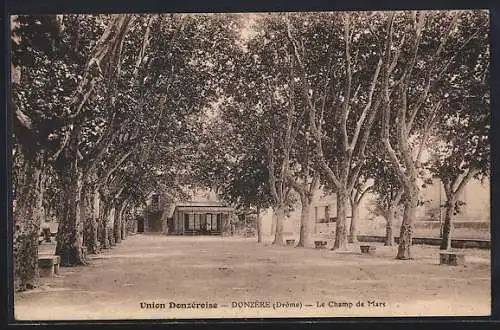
[[460, 149], [272, 99], [387, 189], [231, 160], [101, 69], [164, 82], [87, 92], [49, 68], [425, 49], [339, 72], [362, 187]]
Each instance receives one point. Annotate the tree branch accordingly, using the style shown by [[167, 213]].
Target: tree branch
[[114, 168], [312, 111], [23, 119], [367, 108], [270, 166], [359, 196], [387, 107], [145, 43], [431, 82], [461, 184], [427, 128], [347, 91]]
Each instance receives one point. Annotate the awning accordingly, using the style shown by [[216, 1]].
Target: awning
[[203, 209]]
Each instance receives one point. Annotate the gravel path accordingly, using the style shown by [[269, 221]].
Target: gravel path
[[156, 270]]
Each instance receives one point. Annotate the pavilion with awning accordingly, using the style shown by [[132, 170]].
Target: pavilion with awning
[[200, 218]]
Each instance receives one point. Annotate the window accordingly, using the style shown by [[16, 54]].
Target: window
[[209, 224], [191, 222], [197, 221], [214, 222]]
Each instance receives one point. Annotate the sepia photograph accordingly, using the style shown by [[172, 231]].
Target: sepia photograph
[[179, 166]]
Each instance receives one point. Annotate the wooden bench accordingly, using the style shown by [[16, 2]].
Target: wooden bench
[[320, 244], [451, 258], [249, 233], [48, 265], [290, 242], [370, 249]]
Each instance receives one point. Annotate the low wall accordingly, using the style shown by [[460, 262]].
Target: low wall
[[470, 230], [455, 243], [479, 225]]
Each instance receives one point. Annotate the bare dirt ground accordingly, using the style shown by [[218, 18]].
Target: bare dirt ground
[[223, 270]]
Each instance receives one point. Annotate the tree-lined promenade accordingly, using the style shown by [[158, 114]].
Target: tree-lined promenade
[[225, 270], [263, 109]]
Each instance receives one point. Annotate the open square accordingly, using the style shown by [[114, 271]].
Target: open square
[[247, 165], [222, 270]]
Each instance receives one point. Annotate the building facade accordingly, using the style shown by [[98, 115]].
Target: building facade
[[197, 217], [200, 218]]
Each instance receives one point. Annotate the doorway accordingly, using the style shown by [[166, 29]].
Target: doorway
[[140, 225]]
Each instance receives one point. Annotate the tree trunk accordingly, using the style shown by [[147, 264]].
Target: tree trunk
[[406, 233], [125, 218], [448, 224], [27, 219], [305, 233], [259, 226], [123, 232], [273, 224], [341, 228], [117, 227], [111, 237], [70, 229], [280, 216], [353, 230], [90, 204], [103, 224], [389, 236], [85, 211], [110, 226], [93, 239], [117, 223]]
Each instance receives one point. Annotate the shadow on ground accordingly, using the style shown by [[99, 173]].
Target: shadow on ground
[[223, 270]]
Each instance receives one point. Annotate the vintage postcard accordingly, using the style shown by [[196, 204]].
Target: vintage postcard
[[251, 165]]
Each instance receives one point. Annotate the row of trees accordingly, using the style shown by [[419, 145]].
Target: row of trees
[[109, 108], [105, 112], [357, 103]]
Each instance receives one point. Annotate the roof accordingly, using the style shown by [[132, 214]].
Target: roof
[[200, 206], [199, 203]]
